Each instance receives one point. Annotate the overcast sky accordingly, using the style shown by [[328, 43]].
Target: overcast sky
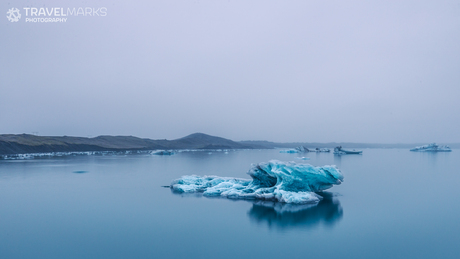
[[360, 71]]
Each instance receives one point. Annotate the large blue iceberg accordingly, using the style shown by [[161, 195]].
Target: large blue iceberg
[[286, 182]]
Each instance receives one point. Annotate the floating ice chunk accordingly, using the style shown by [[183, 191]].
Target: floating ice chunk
[[433, 147], [340, 151], [279, 181], [80, 172], [303, 158], [304, 149], [289, 151], [164, 153]]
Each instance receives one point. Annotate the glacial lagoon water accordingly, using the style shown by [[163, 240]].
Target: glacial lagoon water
[[392, 204]]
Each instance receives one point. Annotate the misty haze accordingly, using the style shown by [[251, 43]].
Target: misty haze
[[229, 129]]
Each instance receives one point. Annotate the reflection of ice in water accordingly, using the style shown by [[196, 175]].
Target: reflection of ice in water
[[338, 160], [434, 159], [286, 216], [290, 216]]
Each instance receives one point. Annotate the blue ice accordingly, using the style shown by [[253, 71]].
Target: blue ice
[[286, 182]]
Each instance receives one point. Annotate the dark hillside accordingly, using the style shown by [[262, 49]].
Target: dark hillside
[[25, 143]]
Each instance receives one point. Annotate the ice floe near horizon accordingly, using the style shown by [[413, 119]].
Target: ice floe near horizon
[[286, 182], [290, 151], [163, 153], [303, 149], [433, 147], [70, 153]]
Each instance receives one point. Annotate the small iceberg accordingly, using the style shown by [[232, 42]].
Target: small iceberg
[[80, 172], [286, 182], [304, 149], [164, 153], [290, 151], [432, 148], [340, 151], [303, 158]]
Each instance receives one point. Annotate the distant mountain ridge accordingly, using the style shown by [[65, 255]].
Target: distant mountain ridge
[[25, 143], [204, 141]]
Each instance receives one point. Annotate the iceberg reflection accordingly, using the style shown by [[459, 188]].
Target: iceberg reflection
[[288, 216]]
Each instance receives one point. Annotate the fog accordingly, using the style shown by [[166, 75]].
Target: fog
[[359, 71]]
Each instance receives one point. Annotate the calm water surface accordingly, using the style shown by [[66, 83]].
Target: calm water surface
[[392, 204]]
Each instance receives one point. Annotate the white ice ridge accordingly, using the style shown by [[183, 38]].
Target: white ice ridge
[[287, 182]]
